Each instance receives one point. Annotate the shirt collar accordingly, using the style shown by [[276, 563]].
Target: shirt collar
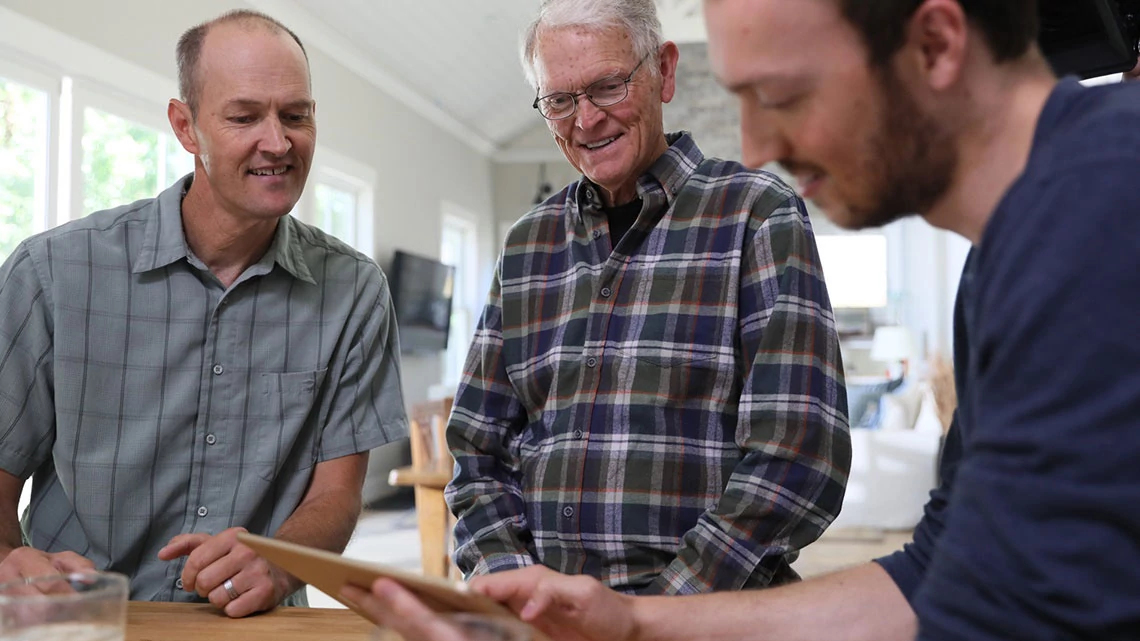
[[669, 172], [165, 241]]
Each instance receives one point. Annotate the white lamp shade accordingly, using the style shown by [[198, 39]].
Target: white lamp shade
[[893, 343]]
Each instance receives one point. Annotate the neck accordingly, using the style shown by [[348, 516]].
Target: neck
[[994, 143], [628, 193], [226, 243]]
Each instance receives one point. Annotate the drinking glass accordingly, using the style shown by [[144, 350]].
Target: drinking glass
[[85, 606]]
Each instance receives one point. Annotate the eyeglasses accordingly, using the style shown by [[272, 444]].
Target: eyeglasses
[[603, 93]]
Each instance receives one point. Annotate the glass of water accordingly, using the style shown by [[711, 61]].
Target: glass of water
[[87, 606]]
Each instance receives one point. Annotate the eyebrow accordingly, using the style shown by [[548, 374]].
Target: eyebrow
[[249, 102], [760, 81]]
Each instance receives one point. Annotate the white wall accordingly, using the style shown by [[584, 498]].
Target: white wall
[[418, 165]]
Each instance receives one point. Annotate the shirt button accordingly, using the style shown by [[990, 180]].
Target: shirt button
[[606, 291], [178, 584], [202, 511], [218, 369], [591, 362], [211, 439], [577, 433], [568, 511], [597, 234]]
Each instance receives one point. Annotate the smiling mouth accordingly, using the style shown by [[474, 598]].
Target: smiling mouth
[[271, 171], [600, 143]]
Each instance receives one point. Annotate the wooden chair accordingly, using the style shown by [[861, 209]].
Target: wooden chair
[[429, 473]]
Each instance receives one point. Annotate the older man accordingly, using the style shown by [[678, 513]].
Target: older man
[[945, 108], [654, 395], [183, 368]]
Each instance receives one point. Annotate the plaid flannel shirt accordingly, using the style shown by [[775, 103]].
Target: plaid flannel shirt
[[669, 416]]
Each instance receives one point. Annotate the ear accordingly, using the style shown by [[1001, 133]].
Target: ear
[[182, 123], [937, 40], [667, 58]]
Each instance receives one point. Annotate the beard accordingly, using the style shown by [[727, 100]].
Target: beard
[[905, 165]]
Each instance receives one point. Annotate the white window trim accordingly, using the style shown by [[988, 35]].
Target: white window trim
[[47, 193], [342, 172], [455, 216]]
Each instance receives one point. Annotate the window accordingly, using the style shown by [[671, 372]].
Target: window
[[339, 199], [458, 248], [125, 161], [24, 149], [855, 269]]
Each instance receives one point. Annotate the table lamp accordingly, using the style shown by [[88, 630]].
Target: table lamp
[[894, 345]]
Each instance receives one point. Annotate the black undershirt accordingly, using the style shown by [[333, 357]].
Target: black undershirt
[[621, 219]]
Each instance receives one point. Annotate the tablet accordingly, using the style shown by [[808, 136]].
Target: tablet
[[328, 572]]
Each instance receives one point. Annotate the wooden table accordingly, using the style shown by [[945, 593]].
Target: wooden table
[[196, 622]]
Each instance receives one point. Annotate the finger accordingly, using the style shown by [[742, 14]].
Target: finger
[[390, 605], [68, 562], [251, 600], [205, 555], [25, 562], [238, 559], [181, 545], [510, 588]]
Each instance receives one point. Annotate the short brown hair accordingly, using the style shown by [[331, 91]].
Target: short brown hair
[[1009, 26], [189, 49]]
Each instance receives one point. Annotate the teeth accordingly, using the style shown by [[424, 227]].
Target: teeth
[[600, 143], [269, 172]]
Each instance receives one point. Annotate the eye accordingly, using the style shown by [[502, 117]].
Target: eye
[[243, 119], [558, 101], [607, 85], [297, 118]]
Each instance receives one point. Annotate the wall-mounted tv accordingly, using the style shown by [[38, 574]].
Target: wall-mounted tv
[[422, 290], [1089, 38]]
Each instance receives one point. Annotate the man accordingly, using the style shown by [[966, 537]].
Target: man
[[947, 109], [180, 369], [654, 395]]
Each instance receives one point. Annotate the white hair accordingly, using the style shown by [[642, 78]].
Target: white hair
[[638, 18]]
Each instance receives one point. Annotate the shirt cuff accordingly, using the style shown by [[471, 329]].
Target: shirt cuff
[[904, 570]]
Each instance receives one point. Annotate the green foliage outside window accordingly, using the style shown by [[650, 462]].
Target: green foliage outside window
[[23, 148]]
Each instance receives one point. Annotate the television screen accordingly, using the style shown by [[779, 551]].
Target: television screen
[[1088, 38], [421, 293]]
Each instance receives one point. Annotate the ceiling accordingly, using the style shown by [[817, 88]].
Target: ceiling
[[453, 61]]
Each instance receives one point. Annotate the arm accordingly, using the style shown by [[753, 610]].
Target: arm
[[366, 410], [792, 423], [860, 604], [27, 410], [491, 532], [324, 519], [1041, 542]]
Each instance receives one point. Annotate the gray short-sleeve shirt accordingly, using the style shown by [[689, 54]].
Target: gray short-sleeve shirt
[[146, 400]]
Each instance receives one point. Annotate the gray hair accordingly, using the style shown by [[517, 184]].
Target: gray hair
[[638, 18], [189, 49]]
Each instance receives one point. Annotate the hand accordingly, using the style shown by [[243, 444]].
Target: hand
[[214, 559], [390, 605], [1131, 75], [566, 608], [25, 562]]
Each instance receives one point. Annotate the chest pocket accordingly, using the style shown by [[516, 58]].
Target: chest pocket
[[288, 432]]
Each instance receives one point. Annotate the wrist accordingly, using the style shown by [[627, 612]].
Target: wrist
[[645, 615]]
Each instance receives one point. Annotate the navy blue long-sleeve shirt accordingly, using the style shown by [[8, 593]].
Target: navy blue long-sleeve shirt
[[1035, 531]]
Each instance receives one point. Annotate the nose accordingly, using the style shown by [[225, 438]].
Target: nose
[[273, 138], [588, 115], [761, 141]]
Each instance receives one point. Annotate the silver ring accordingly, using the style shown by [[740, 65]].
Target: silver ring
[[229, 588]]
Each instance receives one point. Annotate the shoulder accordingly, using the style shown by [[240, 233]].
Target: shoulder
[[329, 258], [549, 213]]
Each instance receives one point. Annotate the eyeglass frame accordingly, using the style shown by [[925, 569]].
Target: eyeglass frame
[[586, 92]]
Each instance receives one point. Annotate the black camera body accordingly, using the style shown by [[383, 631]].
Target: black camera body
[[1090, 38]]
